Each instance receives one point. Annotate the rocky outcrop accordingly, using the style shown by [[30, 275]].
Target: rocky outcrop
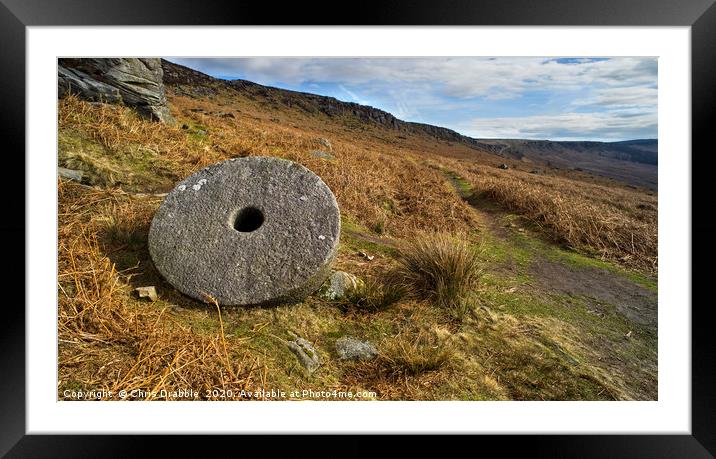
[[190, 82], [138, 83]]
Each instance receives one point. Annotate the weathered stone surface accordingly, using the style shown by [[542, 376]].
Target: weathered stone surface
[[350, 348], [247, 231], [77, 82], [70, 174], [323, 155], [326, 143], [340, 284], [147, 292], [136, 82], [305, 353]]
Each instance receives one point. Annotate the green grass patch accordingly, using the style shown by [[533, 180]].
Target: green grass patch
[[496, 250], [356, 237], [132, 166], [463, 187]]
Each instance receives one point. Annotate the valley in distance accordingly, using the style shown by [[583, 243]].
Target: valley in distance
[[467, 269]]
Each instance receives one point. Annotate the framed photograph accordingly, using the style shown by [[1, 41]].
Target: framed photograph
[[419, 220]]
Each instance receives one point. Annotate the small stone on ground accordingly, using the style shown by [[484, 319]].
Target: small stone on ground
[[306, 354], [326, 143], [323, 154], [147, 292], [350, 348], [70, 174], [341, 284]]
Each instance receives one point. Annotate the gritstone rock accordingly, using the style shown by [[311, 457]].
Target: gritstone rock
[[323, 155], [136, 82], [305, 353], [350, 348], [70, 174], [247, 231], [147, 292], [340, 284]]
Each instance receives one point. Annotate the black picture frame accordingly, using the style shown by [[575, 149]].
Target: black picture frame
[[700, 15]]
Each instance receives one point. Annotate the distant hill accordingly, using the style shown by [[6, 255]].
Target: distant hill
[[632, 161], [196, 83], [638, 151]]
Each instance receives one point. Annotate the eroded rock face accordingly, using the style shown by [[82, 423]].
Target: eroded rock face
[[136, 82], [247, 231]]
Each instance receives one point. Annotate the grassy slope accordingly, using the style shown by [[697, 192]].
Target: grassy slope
[[525, 340]]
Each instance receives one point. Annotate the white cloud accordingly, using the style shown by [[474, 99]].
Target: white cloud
[[462, 77], [350, 93], [566, 126], [620, 93], [621, 97]]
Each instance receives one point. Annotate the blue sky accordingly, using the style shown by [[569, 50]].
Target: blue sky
[[605, 99]]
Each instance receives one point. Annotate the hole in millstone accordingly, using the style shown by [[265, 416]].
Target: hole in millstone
[[248, 219]]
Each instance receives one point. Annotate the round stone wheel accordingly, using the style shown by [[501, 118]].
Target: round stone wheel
[[247, 231]]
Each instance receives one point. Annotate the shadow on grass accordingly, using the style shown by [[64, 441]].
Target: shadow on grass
[[126, 245]]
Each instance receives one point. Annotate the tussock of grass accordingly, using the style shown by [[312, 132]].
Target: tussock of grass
[[415, 353], [414, 362], [441, 268], [374, 296]]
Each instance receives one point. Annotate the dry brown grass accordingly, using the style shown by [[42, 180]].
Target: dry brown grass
[[106, 339], [106, 342], [614, 223], [409, 364], [110, 340], [117, 129], [414, 353], [380, 186], [383, 186]]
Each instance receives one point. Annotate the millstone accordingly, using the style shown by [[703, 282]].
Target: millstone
[[247, 231]]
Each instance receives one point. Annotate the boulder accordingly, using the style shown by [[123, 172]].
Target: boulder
[[135, 82], [247, 231], [350, 348], [340, 284]]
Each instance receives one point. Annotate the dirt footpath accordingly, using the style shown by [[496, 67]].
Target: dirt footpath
[[600, 286]]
